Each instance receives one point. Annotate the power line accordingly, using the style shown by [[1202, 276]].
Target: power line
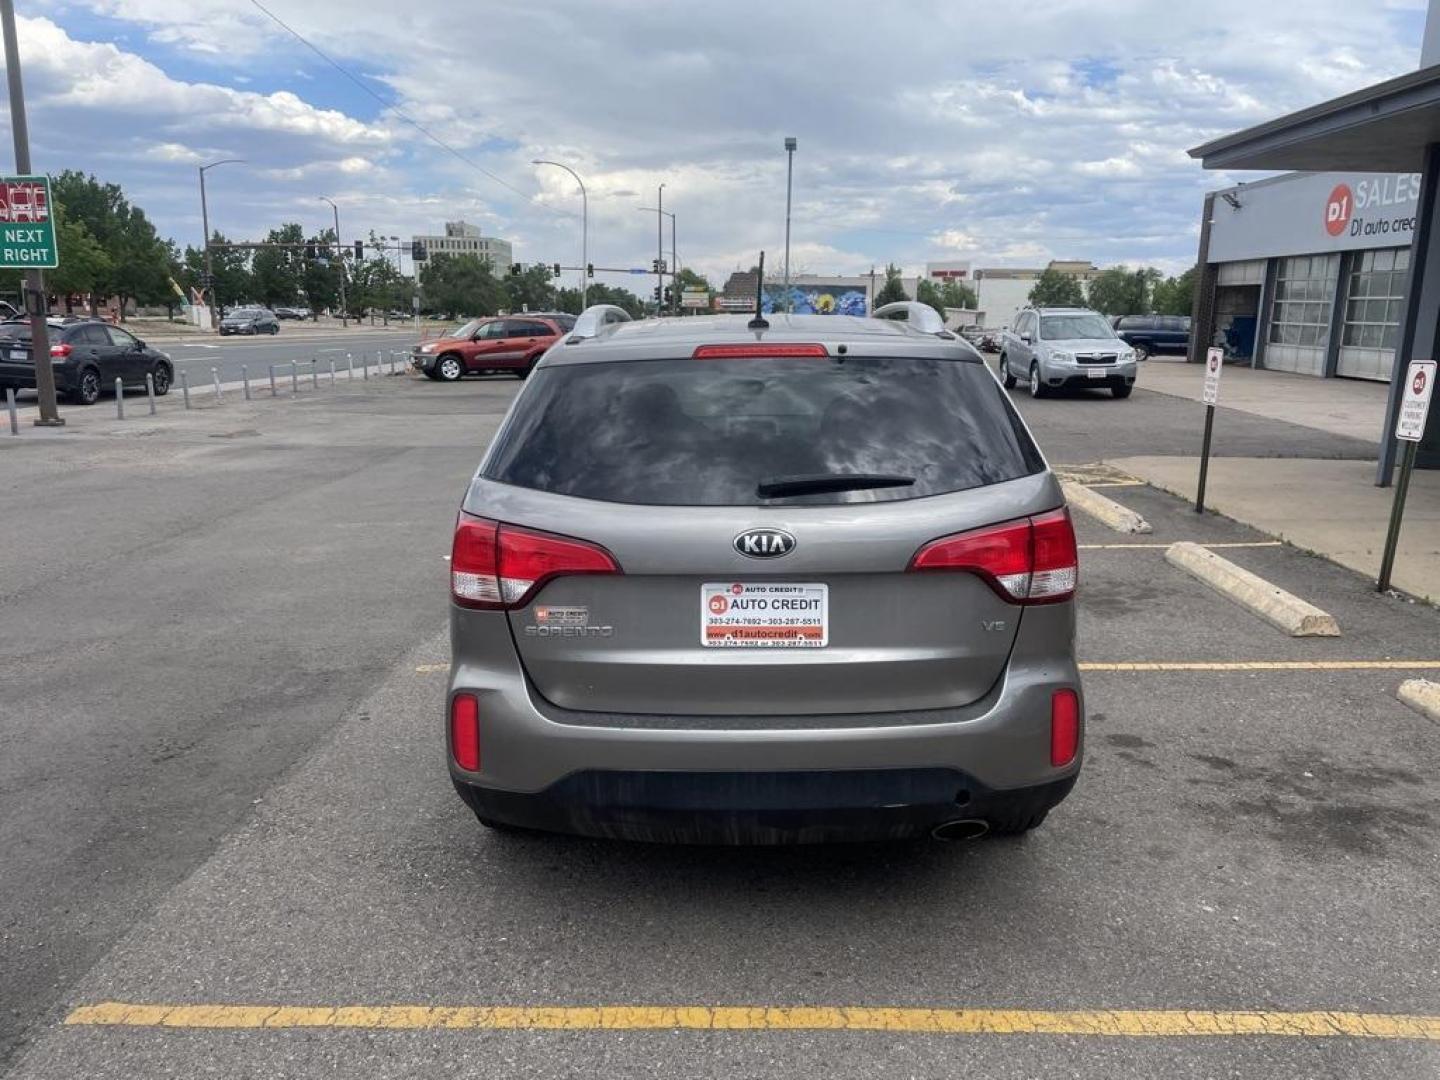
[[527, 196]]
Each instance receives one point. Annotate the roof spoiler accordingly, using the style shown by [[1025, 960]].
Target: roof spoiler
[[922, 317], [595, 318]]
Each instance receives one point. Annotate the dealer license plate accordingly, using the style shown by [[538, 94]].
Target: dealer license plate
[[19, 354], [1096, 373], [769, 615]]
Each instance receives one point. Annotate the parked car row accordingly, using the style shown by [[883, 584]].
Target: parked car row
[[1150, 334], [86, 355]]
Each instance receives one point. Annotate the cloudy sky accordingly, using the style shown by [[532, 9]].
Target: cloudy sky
[[1001, 132]]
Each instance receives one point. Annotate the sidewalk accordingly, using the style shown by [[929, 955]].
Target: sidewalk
[[1353, 407], [1332, 508]]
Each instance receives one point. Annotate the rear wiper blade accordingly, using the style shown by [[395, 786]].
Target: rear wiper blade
[[777, 487]]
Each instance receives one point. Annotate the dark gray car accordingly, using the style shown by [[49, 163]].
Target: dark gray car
[[808, 582]]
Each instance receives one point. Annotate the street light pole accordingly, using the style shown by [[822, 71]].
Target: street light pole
[[674, 257], [584, 230], [789, 177], [660, 249], [339, 254], [205, 224], [34, 280]]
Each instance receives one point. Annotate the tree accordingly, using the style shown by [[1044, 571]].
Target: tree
[[231, 266], [893, 290], [320, 280], [927, 292], [278, 272], [1176, 295], [602, 294], [84, 265], [1055, 288], [139, 261], [530, 290], [1119, 291], [956, 294], [460, 285]]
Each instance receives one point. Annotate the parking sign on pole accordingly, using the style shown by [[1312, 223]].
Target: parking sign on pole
[[1214, 364], [1415, 398]]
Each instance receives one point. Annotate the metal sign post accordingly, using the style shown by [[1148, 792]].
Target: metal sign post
[[1409, 429], [23, 215], [1214, 364]]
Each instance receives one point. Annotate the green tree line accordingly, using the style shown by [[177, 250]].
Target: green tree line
[[1118, 291]]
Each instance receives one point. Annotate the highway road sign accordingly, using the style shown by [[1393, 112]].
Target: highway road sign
[[1415, 400], [695, 298], [27, 228]]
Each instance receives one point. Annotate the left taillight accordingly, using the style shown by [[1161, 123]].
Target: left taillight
[[498, 566], [60, 351], [465, 731], [1031, 560]]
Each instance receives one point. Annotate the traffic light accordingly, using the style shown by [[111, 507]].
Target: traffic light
[[669, 296], [417, 251], [555, 269], [657, 294], [655, 266], [589, 269], [514, 269], [359, 251]]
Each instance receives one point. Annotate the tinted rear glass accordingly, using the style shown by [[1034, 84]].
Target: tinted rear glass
[[707, 432]]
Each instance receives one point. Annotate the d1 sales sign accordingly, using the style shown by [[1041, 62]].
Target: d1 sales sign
[[27, 226], [1415, 400]]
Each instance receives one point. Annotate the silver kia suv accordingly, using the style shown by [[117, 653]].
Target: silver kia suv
[[719, 579], [1050, 348]]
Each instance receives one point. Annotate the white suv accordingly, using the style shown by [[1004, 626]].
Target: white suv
[[1054, 347]]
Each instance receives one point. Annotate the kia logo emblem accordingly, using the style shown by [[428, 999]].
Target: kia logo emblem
[[764, 543]]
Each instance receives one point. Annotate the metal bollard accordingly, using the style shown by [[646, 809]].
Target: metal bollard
[[185, 388], [332, 373], [294, 379], [273, 391], [350, 366], [150, 391], [119, 399], [364, 367], [14, 415], [392, 363], [245, 378], [215, 378], [315, 374]]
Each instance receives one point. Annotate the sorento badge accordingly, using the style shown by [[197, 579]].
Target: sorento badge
[[764, 543]]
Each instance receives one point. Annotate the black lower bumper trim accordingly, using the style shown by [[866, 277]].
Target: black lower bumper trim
[[761, 807]]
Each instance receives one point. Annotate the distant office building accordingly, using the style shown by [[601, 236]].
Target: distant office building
[[462, 238], [1004, 290], [948, 271]]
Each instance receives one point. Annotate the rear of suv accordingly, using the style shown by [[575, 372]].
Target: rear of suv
[[86, 356], [511, 344], [1151, 334], [802, 583], [1054, 348]]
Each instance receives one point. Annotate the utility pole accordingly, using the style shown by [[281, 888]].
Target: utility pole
[[340, 255], [660, 250], [674, 267], [209, 289], [790, 145], [35, 299]]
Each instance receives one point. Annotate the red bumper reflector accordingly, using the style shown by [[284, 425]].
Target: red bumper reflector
[[1064, 727], [465, 731]]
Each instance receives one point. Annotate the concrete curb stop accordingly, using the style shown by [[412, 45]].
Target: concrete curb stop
[[1252, 592], [1423, 696], [1104, 510]]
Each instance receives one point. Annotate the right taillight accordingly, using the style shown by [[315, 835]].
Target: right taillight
[[499, 566], [1029, 561]]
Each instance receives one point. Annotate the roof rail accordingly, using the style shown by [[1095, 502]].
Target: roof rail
[[922, 317], [593, 319]]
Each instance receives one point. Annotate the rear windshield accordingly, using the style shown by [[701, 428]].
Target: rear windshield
[[710, 432]]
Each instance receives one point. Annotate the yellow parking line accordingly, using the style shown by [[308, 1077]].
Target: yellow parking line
[[1098, 1022], [1227, 544], [1265, 665]]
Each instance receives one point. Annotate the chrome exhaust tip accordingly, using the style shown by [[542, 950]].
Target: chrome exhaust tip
[[961, 829]]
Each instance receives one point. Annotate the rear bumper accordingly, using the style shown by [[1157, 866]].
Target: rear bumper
[[760, 807], [531, 751], [21, 376]]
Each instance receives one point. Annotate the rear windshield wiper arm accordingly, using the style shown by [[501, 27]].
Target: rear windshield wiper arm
[[777, 487]]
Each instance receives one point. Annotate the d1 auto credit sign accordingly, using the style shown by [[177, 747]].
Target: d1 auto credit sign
[[1415, 402]]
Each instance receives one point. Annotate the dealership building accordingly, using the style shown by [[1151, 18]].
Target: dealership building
[[1307, 272]]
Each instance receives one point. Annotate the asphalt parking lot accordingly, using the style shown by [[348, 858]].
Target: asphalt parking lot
[[237, 852]]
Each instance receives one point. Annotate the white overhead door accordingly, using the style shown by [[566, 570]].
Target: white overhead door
[[1374, 297], [1300, 315]]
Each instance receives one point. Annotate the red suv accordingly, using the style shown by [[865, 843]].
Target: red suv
[[509, 343]]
